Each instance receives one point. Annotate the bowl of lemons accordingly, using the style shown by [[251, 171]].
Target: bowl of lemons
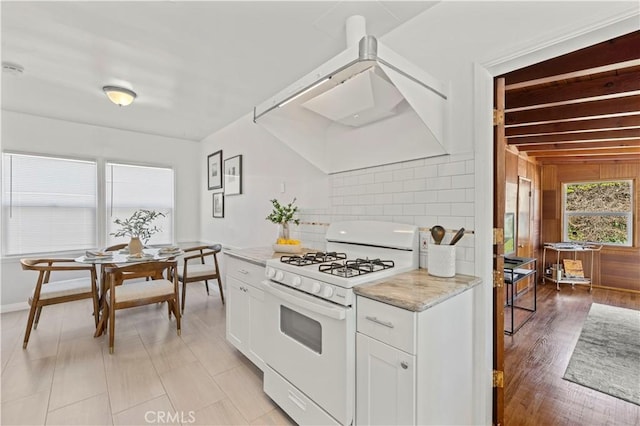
[[284, 245]]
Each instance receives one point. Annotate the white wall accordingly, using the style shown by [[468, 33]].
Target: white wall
[[267, 164], [464, 43], [37, 135]]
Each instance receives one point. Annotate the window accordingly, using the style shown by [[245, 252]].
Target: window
[[599, 212], [49, 204], [129, 188]]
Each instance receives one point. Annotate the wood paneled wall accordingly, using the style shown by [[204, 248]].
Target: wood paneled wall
[[516, 166], [619, 267]]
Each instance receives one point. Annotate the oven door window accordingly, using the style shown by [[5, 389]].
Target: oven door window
[[301, 328]]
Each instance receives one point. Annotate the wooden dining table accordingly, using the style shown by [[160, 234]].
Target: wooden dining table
[[123, 257]]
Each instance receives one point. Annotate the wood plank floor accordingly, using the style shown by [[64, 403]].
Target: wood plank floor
[[537, 356], [67, 377]]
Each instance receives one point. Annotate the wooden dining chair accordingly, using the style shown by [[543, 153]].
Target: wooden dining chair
[[51, 292], [196, 268], [163, 287]]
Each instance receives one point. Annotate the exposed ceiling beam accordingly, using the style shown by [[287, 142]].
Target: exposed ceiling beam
[[583, 153], [579, 136], [613, 51], [627, 104], [627, 121], [626, 81], [568, 158], [629, 144]]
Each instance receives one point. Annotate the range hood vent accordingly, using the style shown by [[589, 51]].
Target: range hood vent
[[365, 107]]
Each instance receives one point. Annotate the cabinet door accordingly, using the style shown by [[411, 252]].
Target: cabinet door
[[385, 384], [257, 340], [238, 314]]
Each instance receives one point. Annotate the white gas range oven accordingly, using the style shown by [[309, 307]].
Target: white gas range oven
[[310, 320]]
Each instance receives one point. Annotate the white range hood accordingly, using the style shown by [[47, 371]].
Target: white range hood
[[365, 107]]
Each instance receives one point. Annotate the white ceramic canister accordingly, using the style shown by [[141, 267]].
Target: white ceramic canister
[[441, 260]]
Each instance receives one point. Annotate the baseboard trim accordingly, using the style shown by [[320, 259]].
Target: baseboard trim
[[13, 307]]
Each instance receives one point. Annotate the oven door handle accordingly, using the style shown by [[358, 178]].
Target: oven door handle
[[328, 311]]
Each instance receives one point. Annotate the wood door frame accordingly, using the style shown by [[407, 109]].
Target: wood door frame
[[483, 74]]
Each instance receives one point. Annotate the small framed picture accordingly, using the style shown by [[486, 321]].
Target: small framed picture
[[233, 175], [218, 204], [214, 170]]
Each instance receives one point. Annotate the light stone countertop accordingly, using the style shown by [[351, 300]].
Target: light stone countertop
[[259, 255], [416, 290]]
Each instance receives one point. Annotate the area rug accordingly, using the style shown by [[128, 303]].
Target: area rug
[[607, 355]]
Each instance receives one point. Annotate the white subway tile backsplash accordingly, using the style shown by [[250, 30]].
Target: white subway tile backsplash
[[426, 171], [374, 188], [391, 187], [336, 181], [414, 185], [440, 182], [438, 209], [351, 180], [381, 199], [425, 192], [403, 197], [402, 174], [426, 221], [413, 209], [462, 209], [383, 177], [392, 209], [462, 181], [450, 169], [452, 195], [366, 179], [366, 199], [470, 166], [425, 196]]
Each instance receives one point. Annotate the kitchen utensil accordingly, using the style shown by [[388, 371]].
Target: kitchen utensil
[[437, 233], [457, 237]]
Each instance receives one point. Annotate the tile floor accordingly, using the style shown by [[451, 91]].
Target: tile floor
[[67, 377]]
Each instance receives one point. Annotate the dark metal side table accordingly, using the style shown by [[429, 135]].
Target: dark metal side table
[[517, 269]]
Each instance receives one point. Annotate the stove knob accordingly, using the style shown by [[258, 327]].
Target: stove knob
[[315, 288], [297, 281], [279, 275], [327, 292], [271, 272]]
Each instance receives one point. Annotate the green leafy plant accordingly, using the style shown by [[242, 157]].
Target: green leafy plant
[[282, 214], [138, 225]]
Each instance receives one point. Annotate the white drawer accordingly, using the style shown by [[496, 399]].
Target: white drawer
[[296, 404], [244, 271], [389, 324]]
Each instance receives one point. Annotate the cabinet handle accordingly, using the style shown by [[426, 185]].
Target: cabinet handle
[[242, 271], [377, 321], [404, 365]]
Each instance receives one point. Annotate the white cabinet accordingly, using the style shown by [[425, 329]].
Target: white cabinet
[[414, 367], [386, 392], [245, 307]]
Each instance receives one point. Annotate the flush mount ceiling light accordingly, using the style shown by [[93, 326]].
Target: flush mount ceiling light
[[119, 95]]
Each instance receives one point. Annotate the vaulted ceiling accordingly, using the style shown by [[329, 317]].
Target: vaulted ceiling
[[196, 65], [581, 106]]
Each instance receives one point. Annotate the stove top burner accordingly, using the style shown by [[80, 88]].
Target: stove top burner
[[313, 258], [353, 268]]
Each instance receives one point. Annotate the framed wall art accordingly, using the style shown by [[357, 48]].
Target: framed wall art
[[214, 170], [218, 204], [233, 175]]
